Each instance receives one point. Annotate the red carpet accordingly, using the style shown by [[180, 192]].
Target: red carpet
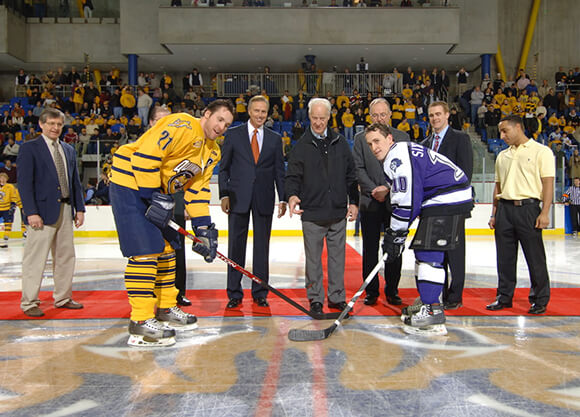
[[211, 303]]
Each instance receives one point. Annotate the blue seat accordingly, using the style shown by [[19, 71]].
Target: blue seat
[[116, 128]]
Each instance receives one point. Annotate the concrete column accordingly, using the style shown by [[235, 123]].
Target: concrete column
[[133, 60], [485, 65]]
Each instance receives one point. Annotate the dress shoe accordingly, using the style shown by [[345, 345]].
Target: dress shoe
[[34, 312], [498, 305], [537, 309], [182, 300], [370, 300], [234, 302], [262, 302], [337, 306], [394, 300], [316, 307], [452, 305], [72, 305]]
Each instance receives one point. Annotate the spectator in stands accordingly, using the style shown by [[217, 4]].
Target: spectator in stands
[[455, 119], [11, 149], [30, 120], [83, 142], [10, 169], [492, 118], [32, 133], [444, 87], [461, 76], [144, 103], [301, 104], [21, 78], [91, 92], [88, 8], [70, 137], [406, 3], [523, 80], [409, 77], [102, 190], [348, 121], [78, 95]]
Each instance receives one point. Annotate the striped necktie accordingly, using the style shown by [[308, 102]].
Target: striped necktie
[[436, 144], [60, 170]]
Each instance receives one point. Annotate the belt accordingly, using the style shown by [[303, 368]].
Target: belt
[[519, 203], [64, 200]]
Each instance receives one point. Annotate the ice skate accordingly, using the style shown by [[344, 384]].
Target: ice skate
[[150, 333], [176, 318], [412, 309], [429, 321]]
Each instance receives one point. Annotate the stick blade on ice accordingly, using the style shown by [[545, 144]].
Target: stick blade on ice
[[303, 335]]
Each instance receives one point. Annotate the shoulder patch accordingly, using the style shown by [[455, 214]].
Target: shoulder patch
[[180, 123], [395, 163]]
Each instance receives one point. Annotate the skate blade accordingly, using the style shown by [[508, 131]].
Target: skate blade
[[434, 330], [180, 327], [144, 341]]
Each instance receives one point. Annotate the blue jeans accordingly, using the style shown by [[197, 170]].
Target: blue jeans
[[348, 133]]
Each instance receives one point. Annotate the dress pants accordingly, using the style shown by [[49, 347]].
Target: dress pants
[[314, 235], [515, 225], [237, 241], [574, 212], [371, 222], [455, 263], [59, 239]]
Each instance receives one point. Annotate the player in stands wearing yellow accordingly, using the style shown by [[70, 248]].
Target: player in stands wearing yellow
[[179, 152], [9, 200]]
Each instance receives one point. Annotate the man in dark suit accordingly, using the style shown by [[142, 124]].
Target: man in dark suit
[[456, 146], [252, 162], [52, 196], [375, 207]]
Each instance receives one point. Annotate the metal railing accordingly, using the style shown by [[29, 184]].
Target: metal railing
[[321, 83]]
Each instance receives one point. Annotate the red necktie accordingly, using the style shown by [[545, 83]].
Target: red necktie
[[255, 146], [436, 146]]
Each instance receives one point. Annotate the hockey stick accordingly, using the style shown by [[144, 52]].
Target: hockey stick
[[303, 335], [320, 316]]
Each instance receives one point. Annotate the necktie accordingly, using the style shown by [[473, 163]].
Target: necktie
[[60, 170], [255, 146], [436, 145]]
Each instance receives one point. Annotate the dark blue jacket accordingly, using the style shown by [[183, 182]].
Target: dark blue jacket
[[38, 181]]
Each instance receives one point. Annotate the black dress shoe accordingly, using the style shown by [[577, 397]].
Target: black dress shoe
[[452, 305], [394, 300], [182, 300], [370, 300], [498, 305], [537, 309], [337, 306], [316, 307], [234, 302], [262, 302]]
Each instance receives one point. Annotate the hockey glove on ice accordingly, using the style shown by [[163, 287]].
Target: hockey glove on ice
[[209, 237], [161, 209], [394, 244]]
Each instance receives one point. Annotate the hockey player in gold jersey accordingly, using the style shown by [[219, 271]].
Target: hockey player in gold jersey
[[9, 200], [179, 152]]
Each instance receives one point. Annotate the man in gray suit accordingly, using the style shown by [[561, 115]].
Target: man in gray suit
[[375, 210]]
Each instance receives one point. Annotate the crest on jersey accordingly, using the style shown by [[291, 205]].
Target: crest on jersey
[[2, 195], [395, 163], [180, 123], [185, 172], [197, 144]]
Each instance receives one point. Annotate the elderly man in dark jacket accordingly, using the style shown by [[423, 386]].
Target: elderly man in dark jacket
[[321, 186]]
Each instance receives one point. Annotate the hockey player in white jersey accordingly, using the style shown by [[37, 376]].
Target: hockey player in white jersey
[[426, 184]]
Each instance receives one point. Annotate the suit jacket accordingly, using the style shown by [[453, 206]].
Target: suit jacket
[[246, 183], [38, 181], [369, 171], [457, 147]]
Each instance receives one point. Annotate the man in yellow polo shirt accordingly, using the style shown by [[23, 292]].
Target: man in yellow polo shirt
[[524, 177]]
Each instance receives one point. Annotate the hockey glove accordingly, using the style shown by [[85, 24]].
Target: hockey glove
[[12, 209], [209, 237], [394, 244], [161, 209]]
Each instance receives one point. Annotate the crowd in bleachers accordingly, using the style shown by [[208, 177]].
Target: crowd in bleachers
[[102, 112], [549, 111]]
